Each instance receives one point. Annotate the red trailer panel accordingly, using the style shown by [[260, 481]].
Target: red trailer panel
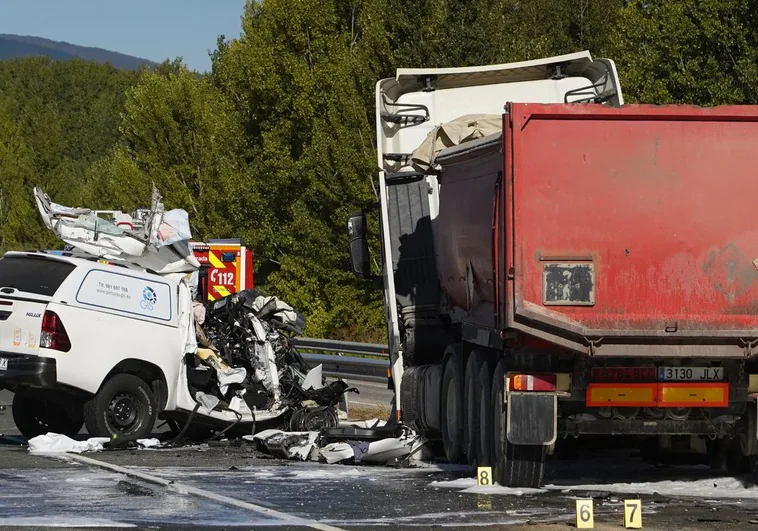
[[633, 223]]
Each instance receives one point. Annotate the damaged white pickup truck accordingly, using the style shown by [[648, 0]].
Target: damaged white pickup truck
[[106, 335]]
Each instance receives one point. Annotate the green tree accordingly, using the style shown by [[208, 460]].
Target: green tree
[[178, 132], [701, 52], [300, 84]]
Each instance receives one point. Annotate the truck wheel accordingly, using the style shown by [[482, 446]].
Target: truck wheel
[[513, 465], [451, 410], [37, 412], [497, 409], [484, 404], [471, 417], [124, 406], [410, 397]]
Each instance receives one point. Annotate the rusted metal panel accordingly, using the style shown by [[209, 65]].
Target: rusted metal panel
[[658, 203]]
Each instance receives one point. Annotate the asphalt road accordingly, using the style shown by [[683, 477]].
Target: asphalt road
[[234, 487]]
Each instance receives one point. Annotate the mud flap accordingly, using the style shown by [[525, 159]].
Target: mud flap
[[532, 418]]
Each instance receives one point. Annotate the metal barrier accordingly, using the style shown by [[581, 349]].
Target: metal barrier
[[349, 368], [307, 344], [329, 354]]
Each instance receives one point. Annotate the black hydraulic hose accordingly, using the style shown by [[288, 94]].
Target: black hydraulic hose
[[239, 419], [179, 437]]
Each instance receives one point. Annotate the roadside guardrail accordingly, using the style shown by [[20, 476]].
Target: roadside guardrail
[[307, 344], [330, 354], [349, 368]]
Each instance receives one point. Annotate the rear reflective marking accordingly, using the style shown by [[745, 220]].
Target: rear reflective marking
[[694, 395], [624, 395], [658, 395]]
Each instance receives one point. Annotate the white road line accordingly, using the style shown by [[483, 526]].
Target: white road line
[[186, 489]]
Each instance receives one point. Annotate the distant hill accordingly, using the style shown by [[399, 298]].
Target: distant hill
[[21, 45]]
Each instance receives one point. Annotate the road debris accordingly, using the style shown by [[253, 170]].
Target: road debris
[[375, 442], [56, 443]]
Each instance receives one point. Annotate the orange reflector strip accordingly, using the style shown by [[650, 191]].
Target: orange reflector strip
[[622, 395], [680, 394], [693, 395]]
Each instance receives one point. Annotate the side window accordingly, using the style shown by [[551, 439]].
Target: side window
[[40, 276]]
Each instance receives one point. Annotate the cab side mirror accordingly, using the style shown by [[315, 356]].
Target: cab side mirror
[[359, 253]]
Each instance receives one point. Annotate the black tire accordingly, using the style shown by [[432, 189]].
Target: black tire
[[513, 465], [525, 465], [484, 408], [124, 406], [451, 410], [410, 397], [497, 408], [37, 411], [471, 416]]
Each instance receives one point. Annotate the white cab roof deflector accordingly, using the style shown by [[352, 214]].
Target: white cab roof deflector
[[162, 246]]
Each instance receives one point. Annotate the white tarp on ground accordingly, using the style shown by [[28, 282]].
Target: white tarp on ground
[[56, 443], [162, 245], [455, 132]]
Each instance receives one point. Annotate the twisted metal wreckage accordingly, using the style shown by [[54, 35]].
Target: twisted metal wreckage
[[240, 363]]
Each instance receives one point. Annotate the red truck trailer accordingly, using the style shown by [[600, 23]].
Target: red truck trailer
[[595, 274]]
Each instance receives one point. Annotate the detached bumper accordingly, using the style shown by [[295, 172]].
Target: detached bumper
[[28, 371]]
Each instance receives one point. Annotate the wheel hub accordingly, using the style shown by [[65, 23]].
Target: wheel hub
[[123, 410]]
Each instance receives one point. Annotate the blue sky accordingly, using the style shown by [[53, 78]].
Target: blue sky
[[154, 30]]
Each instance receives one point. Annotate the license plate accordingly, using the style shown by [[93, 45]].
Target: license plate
[[691, 374], [3, 364], [624, 374]]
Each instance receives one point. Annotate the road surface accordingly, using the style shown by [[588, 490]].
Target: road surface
[[235, 487]]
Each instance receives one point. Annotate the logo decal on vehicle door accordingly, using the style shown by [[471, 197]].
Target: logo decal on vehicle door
[[149, 298]]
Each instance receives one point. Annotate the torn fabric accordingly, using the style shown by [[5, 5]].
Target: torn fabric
[[452, 133]]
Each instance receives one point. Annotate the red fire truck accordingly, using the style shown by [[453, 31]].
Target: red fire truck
[[227, 267]]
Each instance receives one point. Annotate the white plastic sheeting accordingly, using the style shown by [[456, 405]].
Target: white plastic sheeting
[[55, 443]]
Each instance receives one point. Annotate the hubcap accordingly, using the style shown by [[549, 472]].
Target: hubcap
[[123, 411]]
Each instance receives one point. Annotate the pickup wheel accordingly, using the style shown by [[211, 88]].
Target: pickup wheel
[[451, 410], [513, 465], [37, 412], [470, 406], [124, 406]]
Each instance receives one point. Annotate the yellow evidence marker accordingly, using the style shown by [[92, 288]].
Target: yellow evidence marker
[[484, 476], [584, 517], [633, 514]]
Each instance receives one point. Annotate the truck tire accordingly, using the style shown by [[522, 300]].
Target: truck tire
[[484, 410], [513, 465], [471, 415], [410, 397], [451, 409], [124, 406], [37, 412]]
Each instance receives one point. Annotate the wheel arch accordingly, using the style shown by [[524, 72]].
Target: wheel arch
[[151, 373]]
